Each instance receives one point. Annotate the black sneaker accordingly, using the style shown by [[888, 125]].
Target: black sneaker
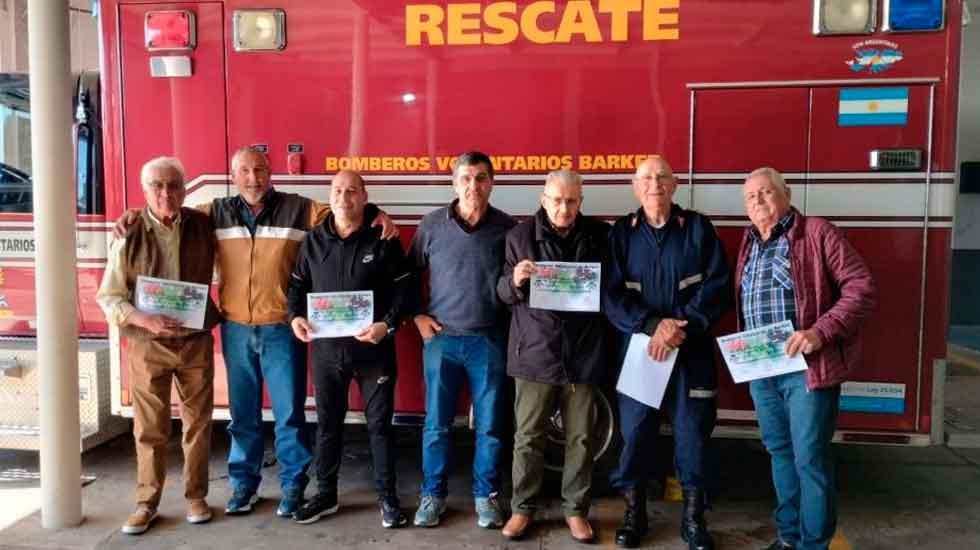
[[391, 513], [323, 504]]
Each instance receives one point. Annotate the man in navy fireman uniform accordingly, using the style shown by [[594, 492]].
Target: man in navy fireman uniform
[[668, 279]]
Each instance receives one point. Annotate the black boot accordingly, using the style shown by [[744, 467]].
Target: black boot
[[694, 530], [634, 525]]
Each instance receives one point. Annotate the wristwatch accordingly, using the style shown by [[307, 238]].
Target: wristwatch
[[391, 328]]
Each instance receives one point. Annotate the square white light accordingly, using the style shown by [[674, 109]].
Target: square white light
[[844, 16], [259, 30]]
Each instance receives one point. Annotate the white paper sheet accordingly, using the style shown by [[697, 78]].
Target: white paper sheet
[[339, 314], [760, 353], [566, 286], [642, 378], [177, 299]]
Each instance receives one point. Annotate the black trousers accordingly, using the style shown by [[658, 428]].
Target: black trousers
[[377, 385]]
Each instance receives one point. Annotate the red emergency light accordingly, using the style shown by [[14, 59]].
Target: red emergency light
[[169, 30]]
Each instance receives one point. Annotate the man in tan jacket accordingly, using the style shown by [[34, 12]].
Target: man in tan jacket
[[167, 242]]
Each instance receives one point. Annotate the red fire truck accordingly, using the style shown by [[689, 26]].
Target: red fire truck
[[854, 101]]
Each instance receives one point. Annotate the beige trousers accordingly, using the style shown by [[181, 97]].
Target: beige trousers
[[155, 365]]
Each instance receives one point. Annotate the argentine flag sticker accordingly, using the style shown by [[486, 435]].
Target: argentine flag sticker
[[873, 107]]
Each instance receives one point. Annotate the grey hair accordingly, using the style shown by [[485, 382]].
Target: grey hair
[[171, 163], [564, 176], [774, 176], [247, 150]]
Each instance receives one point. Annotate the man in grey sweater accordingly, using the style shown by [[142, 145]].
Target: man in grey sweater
[[464, 333]]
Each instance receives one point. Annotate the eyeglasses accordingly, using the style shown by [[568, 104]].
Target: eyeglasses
[[156, 186], [662, 178], [558, 201]]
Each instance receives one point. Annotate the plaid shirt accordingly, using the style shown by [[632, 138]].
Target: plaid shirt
[[767, 283]]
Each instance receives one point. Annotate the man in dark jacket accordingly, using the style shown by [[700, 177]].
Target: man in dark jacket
[[345, 254], [555, 357], [801, 268], [668, 279]]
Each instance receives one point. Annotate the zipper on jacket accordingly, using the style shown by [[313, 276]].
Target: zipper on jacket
[[251, 282], [353, 256], [346, 350], [237, 217]]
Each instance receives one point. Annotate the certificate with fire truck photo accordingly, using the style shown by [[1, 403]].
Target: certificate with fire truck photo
[[177, 299], [760, 353], [566, 286], [339, 314]]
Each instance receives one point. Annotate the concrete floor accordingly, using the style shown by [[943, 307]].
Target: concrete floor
[[889, 498]]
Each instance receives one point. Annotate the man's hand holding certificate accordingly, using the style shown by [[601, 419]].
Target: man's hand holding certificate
[[564, 286], [164, 305], [340, 314], [767, 351], [668, 336]]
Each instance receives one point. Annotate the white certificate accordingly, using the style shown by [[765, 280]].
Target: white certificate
[[642, 378], [566, 286], [760, 352], [339, 314], [177, 299]]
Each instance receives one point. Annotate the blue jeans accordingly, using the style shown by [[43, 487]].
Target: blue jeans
[[797, 427], [270, 353], [448, 361]]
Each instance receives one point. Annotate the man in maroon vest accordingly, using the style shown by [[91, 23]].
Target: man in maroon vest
[[177, 244]]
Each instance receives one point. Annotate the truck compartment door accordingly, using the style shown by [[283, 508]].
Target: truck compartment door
[[735, 132], [180, 116], [882, 212]]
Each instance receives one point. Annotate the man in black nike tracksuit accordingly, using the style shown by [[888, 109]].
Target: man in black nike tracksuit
[[346, 254]]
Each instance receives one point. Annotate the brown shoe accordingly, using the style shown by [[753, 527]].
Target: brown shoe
[[139, 521], [198, 511], [516, 526], [581, 530]]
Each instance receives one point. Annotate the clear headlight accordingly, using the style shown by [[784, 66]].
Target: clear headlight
[[843, 16], [257, 30]]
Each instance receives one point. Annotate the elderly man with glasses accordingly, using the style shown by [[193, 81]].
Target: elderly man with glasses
[[668, 279], [555, 357], [176, 243]]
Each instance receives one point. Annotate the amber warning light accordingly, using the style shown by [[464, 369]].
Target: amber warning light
[[169, 30]]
